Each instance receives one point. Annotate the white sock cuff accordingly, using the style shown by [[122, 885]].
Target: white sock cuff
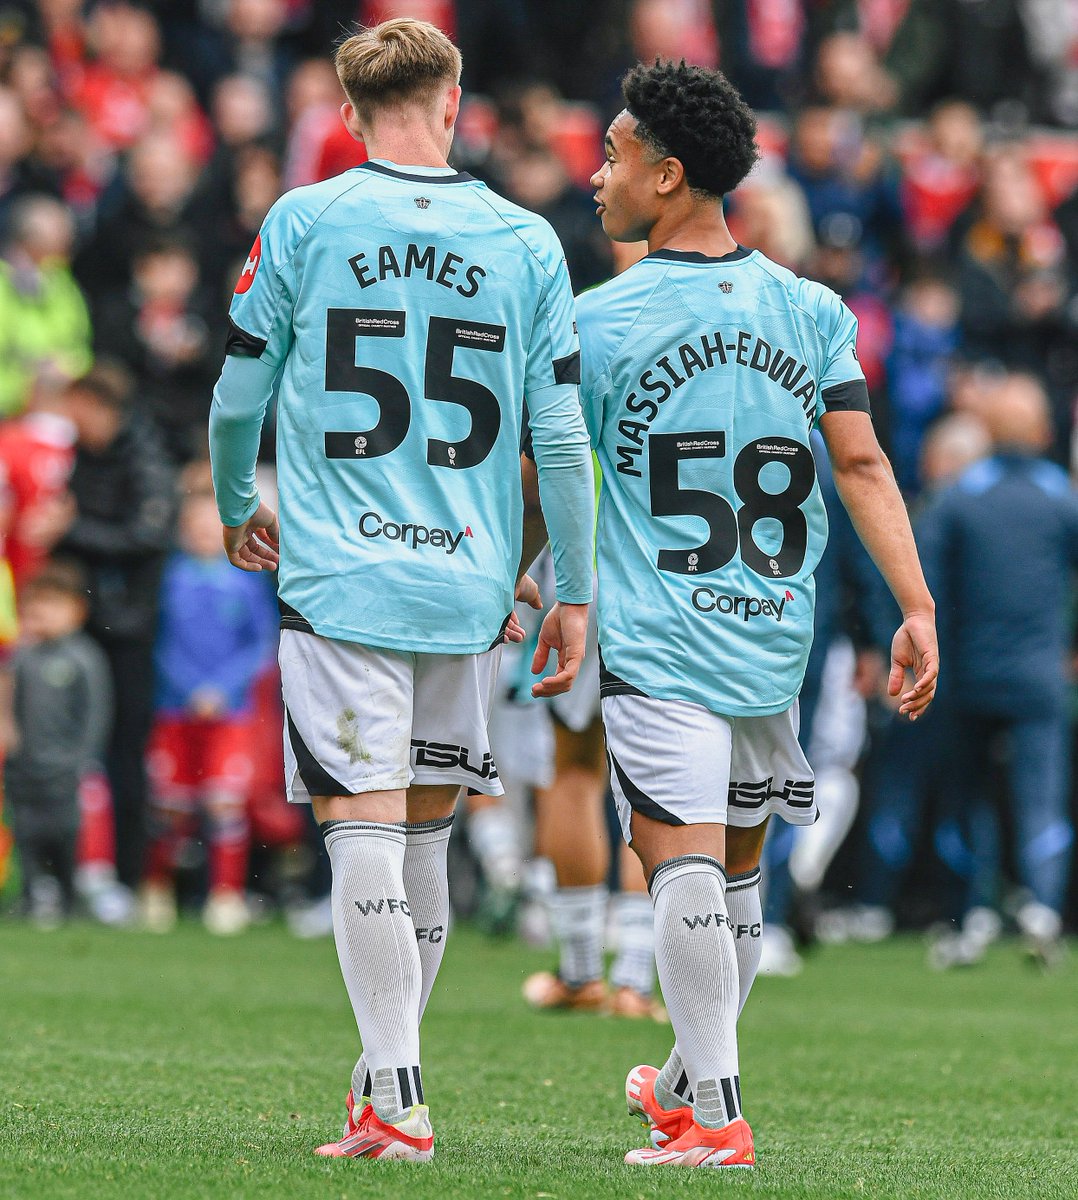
[[335, 831], [685, 864], [428, 833], [747, 879]]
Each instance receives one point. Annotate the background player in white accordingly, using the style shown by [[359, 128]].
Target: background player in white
[[705, 366], [404, 313]]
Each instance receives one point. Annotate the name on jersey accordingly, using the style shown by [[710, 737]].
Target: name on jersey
[[443, 268], [374, 525], [675, 368], [706, 600]]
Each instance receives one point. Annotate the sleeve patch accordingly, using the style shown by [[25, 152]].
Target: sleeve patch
[[567, 370], [851, 396], [243, 344], [250, 267]]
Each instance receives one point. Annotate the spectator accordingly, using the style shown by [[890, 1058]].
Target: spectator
[[1000, 548], [37, 454], [113, 92], [1012, 280], [155, 197], [160, 329], [43, 317], [925, 341], [61, 714], [538, 180], [844, 174], [941, 173], [907, 760], [218, 633], [124, 505]]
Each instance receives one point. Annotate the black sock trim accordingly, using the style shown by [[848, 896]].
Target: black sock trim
[[428, 826], [681, 860], [747, 879], [418, 1084], [326, 828], [405, 1088], [368, 1084], [728, 1100]]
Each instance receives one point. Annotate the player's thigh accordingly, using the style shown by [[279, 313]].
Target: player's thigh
[[348, 720], [450, 744], [580, 749], [669, 773]]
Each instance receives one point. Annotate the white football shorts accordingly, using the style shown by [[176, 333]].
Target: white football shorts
[[682, 764], [364, 719]]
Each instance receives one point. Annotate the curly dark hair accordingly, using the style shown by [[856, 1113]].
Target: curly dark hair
[[696, 116]]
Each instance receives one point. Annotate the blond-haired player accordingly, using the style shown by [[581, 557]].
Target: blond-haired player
[[408, 312]]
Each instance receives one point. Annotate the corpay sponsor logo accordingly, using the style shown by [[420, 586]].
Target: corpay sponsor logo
[[374, 525]]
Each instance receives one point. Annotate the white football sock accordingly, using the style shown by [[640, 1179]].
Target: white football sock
[[697, 964], [495, 842], [376, 946], [634, 921], [426, 884], [747, 919], [578, 915]]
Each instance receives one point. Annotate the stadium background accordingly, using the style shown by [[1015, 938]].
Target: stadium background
[[919, 157]]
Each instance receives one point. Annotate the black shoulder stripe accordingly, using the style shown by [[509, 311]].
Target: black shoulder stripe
[[243, 344], [567, 369], [851, 396]]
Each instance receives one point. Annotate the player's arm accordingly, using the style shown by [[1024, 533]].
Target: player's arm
[[867, 487], [260, 336], [562, 451]]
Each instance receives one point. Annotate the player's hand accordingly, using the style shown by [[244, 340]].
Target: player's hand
[[914, 649], [564, 630], [528, 593], [254, 545]]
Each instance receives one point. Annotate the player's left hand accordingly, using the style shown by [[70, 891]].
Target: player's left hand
[[914, 648], [564, 630], [254, 545]]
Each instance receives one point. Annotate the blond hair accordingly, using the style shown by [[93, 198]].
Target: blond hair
[[399, 60]]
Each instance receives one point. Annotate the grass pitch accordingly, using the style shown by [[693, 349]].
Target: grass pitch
[[179, 1067]]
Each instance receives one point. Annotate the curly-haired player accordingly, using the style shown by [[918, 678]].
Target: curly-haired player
[[705, 368]]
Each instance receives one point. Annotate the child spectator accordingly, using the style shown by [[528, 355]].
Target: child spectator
[[61, 712], [217, 634]]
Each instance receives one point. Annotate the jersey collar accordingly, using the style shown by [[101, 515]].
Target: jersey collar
[[415, 174], [694, 256]]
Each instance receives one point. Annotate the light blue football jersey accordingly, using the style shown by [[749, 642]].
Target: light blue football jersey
[[410, 311], [702, 380]]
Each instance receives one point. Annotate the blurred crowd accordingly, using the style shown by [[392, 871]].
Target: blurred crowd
[[919, 156]]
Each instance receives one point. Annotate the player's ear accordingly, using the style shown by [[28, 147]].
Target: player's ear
[[671, 173], [351, 121], [452, 106]]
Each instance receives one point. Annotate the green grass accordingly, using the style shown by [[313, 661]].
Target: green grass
[[140, 1067]]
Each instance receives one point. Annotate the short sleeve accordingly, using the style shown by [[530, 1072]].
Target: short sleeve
[[260, 315], [842, 384], [554, 352]]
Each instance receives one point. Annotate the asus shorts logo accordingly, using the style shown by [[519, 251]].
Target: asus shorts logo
[[443, 756], [374, 525]]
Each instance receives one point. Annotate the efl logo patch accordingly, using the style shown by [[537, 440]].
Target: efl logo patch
[[726, 287], [247, 275], [422, 202]]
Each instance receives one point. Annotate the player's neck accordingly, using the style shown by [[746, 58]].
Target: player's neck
[[700, 227], [408, 148]]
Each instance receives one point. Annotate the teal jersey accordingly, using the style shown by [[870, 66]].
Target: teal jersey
[[409, 311], [702, 380]]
